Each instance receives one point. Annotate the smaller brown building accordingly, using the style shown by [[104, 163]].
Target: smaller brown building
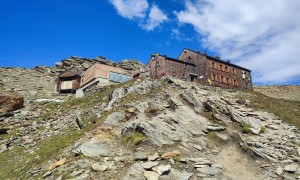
[[69, 81], [101, 75], [104, 72], [194, 66]]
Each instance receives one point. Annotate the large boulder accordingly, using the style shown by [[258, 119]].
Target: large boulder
[[9, 103], [92, 148]]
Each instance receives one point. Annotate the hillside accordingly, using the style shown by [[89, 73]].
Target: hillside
[[280, 92], [146, 129]]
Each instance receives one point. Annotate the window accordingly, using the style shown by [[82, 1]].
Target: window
[[221, 79], [228, 81], [214, 77], [243, 74], [157, 63], [234, 82], [226, 68], [233, 71], [221, 67], [212, 65]]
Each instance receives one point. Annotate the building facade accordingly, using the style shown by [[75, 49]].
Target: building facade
[[105, 72], [194, 66]]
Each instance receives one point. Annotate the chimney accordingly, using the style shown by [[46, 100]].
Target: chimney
[[228, 61], [217, 57]]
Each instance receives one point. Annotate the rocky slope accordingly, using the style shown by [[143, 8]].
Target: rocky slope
[[144, 129], [281, 92]]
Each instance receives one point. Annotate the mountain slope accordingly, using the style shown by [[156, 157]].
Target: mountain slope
[[142, 129]]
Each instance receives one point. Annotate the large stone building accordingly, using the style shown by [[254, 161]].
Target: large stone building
[[194, 66]]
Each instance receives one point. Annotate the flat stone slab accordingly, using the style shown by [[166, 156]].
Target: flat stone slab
[[92, 148], [291, 168], [150, 165], [151, 175]]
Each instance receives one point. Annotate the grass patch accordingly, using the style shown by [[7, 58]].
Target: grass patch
[[288, 111], [246, 129], [262, 130], [18, 162], [134, 138]]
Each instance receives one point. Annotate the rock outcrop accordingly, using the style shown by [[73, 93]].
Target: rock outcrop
[[11, 102], [131, 65]]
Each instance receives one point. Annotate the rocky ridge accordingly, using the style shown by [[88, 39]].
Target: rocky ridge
[[131, 65]]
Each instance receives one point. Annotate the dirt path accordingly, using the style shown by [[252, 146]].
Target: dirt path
[[237, 165]]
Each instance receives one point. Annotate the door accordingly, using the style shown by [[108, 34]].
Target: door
[[193, 78]]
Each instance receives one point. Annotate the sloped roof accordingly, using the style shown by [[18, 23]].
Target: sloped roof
[[176, 60], [218, 60], [72, 72]]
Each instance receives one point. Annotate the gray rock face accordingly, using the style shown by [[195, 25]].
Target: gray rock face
[[151, 175], [161, 169], [116, 94], [99, 168], [222, 136], [192, 100], [3, 148], [185, 176], [291, 168], [93, 148], [209, 170], [150, 165], [153, 157], [114, 118], [178, 175], [134, 172], [139, 156], [279, 170], [170, 127]]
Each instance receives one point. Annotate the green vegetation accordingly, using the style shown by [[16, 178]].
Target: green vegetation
[[262, 130], [245, 147], [134, 139], [246, 129], [288, 111]]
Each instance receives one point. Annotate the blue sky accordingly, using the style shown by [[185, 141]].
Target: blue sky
[[261, 36]]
